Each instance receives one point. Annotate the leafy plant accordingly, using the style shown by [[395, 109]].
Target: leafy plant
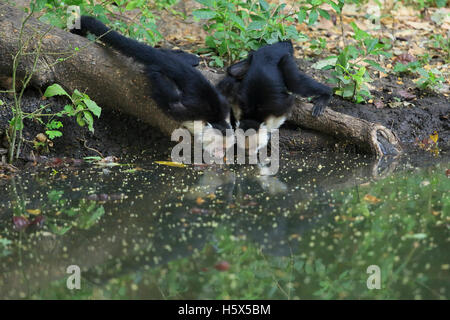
[[82, 108], [143, 25], [441, 43], [236, 27], [318, 46], [82, 216], [310, 10], [426, 3], [52, 129], [430, 79], [5, 247], [409, 67], [351, 74], [15, 134]]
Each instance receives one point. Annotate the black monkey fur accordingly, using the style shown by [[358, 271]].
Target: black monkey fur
[[178, 88], [261, 84]]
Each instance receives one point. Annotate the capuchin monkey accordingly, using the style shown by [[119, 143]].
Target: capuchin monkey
[[260, 87], [179, 89]]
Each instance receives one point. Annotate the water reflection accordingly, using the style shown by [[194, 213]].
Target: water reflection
[[308, 232]]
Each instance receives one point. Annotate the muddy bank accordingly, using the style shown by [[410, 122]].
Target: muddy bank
[[115, 134], [423, 113]]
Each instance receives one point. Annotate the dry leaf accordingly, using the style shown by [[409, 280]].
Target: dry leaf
[[397, 104], [379, 104], [420, 25], [406, 95], [371, 199], [171, 164], [405, 58], [434, 137], [34, 211]]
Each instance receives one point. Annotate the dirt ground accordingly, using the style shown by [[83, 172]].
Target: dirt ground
[[115, 134]]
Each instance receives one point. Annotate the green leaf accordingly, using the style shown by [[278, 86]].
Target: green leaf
[[359, 33], [342, 60], [375, 65], [55, 90], [416, 236], [309, 269], [93, 107], [93, 158], [80, 120], [53, 134], [209, 40], [324, 13], [59, 230], [348, 91], [320, 267], [335, 6], [132, 5], [264, 5], [77, 95], [313, 15], [204, 14], [238, 21], [207, 3], [441, 3], [301, 16], [98, 9], [423, 72], [298, 265], [370, 44], [400, 67], [55, 195], [292, 33], [89, 120], [256, 25], [90, 217], [218, 61], [15, 123], [54, 124], [69, 109], [321, 64]]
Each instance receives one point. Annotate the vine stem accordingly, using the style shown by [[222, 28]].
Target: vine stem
[[344, 43]]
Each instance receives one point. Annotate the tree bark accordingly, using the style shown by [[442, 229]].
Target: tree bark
[[117, 82]]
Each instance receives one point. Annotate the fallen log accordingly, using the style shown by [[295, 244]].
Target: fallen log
[[117, 82]]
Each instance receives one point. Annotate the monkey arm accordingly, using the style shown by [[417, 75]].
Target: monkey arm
[[302, 84]]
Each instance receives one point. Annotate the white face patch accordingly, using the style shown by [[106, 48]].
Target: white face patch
[[211, 139], [257, 141], [261, 138], [237, 112], [190, 125], [273, 122]]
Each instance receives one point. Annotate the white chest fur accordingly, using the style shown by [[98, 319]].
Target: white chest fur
[[273, 122]]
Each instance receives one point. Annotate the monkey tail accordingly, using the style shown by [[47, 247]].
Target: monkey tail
[[129, 47]]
